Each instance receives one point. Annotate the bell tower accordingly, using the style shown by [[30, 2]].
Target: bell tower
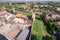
[[33, 14], [13, 10]]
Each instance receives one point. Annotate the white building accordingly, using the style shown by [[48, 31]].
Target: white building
[[9, 17]]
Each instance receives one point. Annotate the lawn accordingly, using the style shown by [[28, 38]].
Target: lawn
[[8, 8], [19, 11], [26, 13], [38, 29]]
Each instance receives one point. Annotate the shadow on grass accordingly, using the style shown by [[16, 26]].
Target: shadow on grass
[[48, 26], [46, 23], [36, 37], [50, 30], [33, 37], [49, 38], [38, 18]]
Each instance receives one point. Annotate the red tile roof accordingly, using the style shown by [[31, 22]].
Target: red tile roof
[[3, 14], [12, 33], [48, 17], [21, 15], [12, 21]]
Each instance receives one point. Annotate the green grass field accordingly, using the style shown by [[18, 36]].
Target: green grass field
[[38, 29], [18, 11], [26, 13]]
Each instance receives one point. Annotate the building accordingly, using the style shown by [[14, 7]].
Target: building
[[21, 16], [12, 24], [23, 35], [58, 24], [58, 9], [33, 15], [58, 18], [48, 17]]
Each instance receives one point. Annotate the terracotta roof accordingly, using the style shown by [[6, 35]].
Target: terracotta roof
[[2, 14], [31, 11], [12, 33], [48, 17], [25, 24], [12, 21], [21, 15], [58, 24], [58, 9]]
